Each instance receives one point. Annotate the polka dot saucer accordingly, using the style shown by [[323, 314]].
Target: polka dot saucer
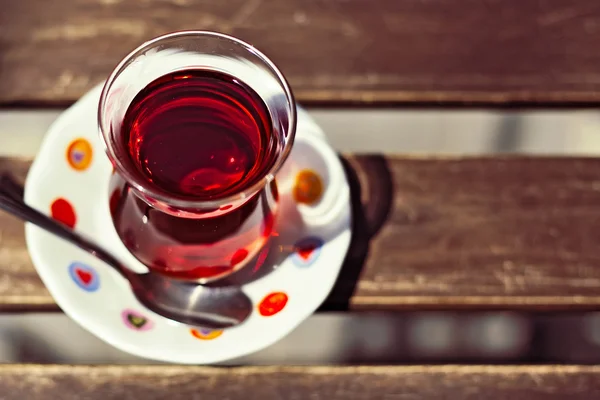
[[69, 180]]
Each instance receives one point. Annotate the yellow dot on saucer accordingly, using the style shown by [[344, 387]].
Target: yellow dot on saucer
[[79, 154], [308, 188], [206, 334]]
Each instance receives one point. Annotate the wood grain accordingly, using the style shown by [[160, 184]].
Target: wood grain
[[65, 382], [481, 233], [332, 51]]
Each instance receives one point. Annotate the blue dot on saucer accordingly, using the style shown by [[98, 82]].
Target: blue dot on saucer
[[84, 276], [307, 251]]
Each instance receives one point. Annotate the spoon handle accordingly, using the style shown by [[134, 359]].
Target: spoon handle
[[11, 187], [11, 201]]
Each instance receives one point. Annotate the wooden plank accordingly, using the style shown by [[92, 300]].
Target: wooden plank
[[352, 51], [65, 382], [454, 232]]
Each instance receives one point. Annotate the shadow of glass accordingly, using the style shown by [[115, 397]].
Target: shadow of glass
[[294, 232], [367, 219], [370, 206]]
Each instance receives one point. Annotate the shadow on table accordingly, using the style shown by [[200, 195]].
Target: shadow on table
[[371, 206]]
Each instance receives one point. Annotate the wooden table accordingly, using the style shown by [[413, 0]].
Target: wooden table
[[516, 233]]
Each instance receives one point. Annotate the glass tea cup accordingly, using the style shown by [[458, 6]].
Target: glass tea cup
[[196, 125]]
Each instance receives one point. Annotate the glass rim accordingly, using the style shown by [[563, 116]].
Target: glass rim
[[147, 190]]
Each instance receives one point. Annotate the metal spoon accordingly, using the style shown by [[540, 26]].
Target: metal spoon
[[181, 301]]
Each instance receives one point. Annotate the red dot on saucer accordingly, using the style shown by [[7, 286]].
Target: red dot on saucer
[[239, 256], [262, 256], [272, 304], [61, 210]]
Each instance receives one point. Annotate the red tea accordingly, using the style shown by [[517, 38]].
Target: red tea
[[198, 135]]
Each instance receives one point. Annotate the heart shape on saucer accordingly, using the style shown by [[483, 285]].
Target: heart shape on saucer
[[136, 320], [307, 251], [84, 276]]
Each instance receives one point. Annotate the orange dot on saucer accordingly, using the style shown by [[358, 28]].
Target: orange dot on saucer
[[308, 188], [61, 210], [206, 334], [79, 154], [272, 304]]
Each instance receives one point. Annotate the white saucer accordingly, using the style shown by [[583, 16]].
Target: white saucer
[[72, 166]]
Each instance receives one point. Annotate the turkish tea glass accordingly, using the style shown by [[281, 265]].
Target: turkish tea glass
[[195, 235]]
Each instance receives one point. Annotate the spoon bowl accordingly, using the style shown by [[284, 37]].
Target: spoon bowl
[[189, 302]]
